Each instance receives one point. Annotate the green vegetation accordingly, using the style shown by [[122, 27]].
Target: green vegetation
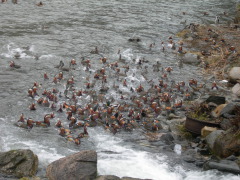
[[199, 116], [200, 112], [24, 178], [184, 133]]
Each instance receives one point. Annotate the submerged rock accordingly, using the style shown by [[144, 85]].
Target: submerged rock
[[79, 166], [20, 163]]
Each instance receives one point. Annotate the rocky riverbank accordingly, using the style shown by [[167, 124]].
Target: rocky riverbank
[[218, 53]]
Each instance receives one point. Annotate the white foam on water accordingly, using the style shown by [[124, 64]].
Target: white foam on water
[[46, 56], [127, 54], [115, 158], [124, 161], [13, 50]]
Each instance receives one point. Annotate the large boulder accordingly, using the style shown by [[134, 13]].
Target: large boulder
[[19, 163], [227, 143], [78, 166], [236, 89], [234, 74]]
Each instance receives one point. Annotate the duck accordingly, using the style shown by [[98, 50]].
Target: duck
[[13, 65], [32, 107]]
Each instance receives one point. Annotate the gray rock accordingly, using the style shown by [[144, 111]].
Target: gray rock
[[229, 108], [190, 155], [199, 163], [79, 166], [232, 158], [211, 138], [222, 165], [236, 89], [234, 74], [216, 99], [19, 163], [189, 159], [167, 138]]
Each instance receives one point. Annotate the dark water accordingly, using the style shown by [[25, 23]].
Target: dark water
[[62, 30]]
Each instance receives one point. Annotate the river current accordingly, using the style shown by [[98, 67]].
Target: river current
[[62, 30]]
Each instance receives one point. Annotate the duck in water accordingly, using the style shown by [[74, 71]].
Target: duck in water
[[40, 3], [13, 65]]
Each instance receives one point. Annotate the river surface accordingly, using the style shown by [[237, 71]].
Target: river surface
[[63, 30]]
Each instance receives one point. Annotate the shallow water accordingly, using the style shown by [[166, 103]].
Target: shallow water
[[62, 30]]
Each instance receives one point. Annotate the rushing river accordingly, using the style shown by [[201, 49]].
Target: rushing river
[[62, 30]]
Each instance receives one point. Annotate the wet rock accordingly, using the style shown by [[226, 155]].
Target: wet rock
[[190, 58], [199, 163], [167, 138], [204, 151], [190, 156], [189, 159], [19, 163], [218, 110], [236, 89], [234, 74], [211, 138], [222, 165], [216, 99], [79, 166], [207, 130]]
